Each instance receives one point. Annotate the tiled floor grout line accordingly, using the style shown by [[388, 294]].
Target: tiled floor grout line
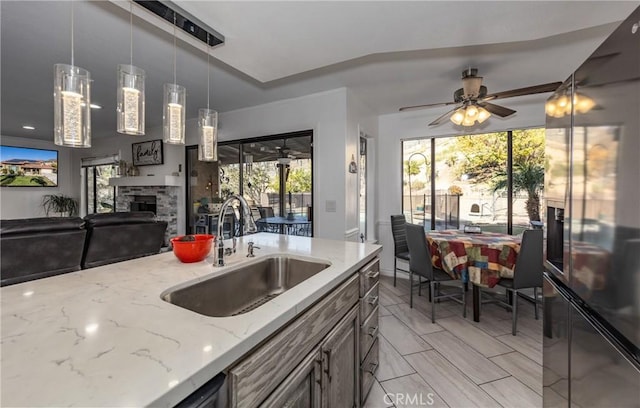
[[445, 306]]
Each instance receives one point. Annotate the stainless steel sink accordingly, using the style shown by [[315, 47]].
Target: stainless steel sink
[[245, 288]]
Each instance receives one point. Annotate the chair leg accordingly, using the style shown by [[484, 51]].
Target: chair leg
[[410, 289], [419, 285], [514, 310], [535, 303], [464, 303], [429, 291], [395, 268], [433, 303]]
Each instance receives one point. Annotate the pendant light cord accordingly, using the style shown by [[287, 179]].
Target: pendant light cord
[[131, 30], [72, 62], [174, 48], [208, 71]]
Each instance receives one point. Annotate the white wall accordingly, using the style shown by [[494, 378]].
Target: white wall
[[360, 118], [393, 128], [26, 202], [325, 114], [173, 159]]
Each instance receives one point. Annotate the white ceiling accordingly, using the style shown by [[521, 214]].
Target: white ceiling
[[391, 54]]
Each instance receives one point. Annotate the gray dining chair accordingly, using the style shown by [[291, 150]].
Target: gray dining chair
[[420, 264], [400, 249], [527, 274]]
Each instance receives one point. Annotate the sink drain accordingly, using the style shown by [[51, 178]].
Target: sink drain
[[255, 304]]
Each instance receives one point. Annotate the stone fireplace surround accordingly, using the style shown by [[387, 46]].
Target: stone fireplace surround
[[166, 204]]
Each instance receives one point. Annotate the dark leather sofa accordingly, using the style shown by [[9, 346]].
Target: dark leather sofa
[[115, 237], [36, 248]]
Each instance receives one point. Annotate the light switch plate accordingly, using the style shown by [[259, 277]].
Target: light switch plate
[[330, 206]]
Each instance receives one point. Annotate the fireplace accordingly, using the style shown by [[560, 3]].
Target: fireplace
[[143, 203]]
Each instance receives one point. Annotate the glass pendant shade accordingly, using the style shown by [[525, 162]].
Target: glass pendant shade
[[173, 115], [130, 106], [71, 103], [208, 132]]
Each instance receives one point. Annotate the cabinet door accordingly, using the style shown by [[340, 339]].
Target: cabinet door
[[301, 388], [340, 362]]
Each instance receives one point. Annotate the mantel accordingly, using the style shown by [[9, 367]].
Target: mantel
[[144, 181]]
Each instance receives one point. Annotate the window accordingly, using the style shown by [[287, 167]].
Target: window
[[493, 180]]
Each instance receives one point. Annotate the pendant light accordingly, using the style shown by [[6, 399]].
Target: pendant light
[[208, 125], [175, 100], [71, 103], [130, 104]]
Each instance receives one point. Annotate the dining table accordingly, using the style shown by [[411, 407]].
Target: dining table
[[481, 259]]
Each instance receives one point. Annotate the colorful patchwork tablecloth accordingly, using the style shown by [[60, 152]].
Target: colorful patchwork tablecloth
[[478, 258], [590, 266]]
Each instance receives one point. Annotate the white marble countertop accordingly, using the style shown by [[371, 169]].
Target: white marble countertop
[[104, 337]]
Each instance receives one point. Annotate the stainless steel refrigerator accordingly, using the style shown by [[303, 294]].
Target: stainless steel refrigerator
[[591, 339]]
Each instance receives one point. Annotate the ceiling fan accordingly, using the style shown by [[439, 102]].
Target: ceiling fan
[[472, 100]]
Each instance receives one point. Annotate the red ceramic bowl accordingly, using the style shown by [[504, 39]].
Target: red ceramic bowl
[[192, 251]]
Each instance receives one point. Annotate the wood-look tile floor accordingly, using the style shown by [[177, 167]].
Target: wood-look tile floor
[[454, 362]]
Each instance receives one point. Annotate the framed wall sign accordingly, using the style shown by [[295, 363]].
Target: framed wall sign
[[147, 153]]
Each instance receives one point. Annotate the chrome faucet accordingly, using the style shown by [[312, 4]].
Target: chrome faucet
[[248, 227], [250, 247]]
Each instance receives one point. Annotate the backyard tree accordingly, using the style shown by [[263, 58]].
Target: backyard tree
[[483, 159]]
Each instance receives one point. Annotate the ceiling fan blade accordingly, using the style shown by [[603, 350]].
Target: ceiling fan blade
[[529, 90], [441, 118], [497, 109], [429, 105]]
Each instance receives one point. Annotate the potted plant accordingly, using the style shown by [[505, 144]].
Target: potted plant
[[61, 204]]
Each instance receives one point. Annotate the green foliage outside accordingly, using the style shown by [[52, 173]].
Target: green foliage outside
[[299, 181], [483, 158]]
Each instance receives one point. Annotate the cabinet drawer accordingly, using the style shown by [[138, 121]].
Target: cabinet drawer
[[368, 333], [369, 302], [369, 276], [367, 372], [256, 376]]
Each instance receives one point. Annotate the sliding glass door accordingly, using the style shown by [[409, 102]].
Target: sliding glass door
[[273, 173]]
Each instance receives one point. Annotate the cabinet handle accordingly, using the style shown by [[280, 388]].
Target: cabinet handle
[[373, 300], [328, 369], [373, 275], [372, 368], [373, 331]]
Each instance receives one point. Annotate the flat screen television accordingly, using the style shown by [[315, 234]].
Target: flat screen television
[[28, 167]]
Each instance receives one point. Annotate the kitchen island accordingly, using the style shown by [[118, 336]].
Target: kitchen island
[[104, 336]]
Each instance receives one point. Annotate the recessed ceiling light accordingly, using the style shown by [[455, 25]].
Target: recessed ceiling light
[[28, 127]]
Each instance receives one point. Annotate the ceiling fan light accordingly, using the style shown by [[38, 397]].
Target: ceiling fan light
[[472, 111], [458, 116], [468, 121], [550, 107], [483, 114], [583, 103]]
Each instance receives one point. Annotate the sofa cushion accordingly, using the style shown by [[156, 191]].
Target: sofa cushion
[[43, 224], [36, 248], [115, 237], [94, 220]]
